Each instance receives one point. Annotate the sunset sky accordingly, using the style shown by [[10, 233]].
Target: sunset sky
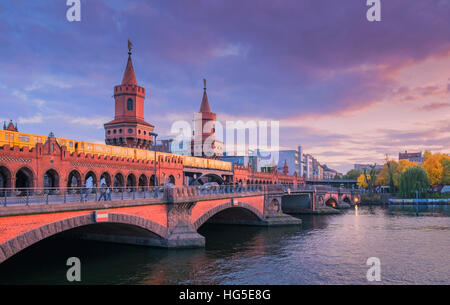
[[347, 90]]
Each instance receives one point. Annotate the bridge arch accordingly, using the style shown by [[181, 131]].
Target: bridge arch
[[24, 178], [74, 179], [143, 181], [348, 200], [131, 180], [207, 178], [241, 210], [5, 177], [91, 179], [118, 180], [24, 240], [51, 178], [331, 202], [105, 178], [152, 180], [171, 179]]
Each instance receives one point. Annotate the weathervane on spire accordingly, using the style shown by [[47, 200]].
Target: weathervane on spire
[[130, 46], [204, 83]]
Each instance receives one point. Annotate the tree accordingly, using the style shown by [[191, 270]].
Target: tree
[[352, 174], [370, 176], [337, 177], [434, 169], [446, 170], [362, 181], [405, 164], [412, 181], [388, 175], [426, 154]]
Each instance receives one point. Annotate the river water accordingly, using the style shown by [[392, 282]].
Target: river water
[[326, 250]]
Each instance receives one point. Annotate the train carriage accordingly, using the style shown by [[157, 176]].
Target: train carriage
[[13, 138]]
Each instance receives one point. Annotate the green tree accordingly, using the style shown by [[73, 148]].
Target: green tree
[[388, 175], [413, 180], [352, 174], [446, 171]]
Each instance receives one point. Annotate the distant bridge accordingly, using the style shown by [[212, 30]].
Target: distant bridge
[[347, 183]]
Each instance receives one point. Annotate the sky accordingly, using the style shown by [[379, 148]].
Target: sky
[[347, 90]]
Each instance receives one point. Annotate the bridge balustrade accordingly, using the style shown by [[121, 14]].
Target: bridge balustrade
[[29, 196]]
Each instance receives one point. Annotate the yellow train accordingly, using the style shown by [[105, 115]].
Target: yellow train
[[21, 139]]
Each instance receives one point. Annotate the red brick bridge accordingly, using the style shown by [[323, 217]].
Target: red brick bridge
[[170, 220]]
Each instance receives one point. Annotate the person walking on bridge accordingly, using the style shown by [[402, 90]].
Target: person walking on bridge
[[102, 192]]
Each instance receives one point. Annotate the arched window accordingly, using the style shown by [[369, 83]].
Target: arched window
[[130, 104]]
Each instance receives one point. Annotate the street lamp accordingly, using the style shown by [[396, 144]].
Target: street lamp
[[154, 135]]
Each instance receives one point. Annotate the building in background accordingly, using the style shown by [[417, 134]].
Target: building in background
[[413, 157], [292, 158], [330, 174], [253, 161], [362, 167], [10, 126]]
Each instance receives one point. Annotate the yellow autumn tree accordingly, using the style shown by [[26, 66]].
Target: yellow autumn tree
[[362, 182], [389, 171], [434, 169], [405, 164], [426, 154]]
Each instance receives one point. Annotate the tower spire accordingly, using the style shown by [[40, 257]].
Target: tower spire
[[129, 78], [205, 104]]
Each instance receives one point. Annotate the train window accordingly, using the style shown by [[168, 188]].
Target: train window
[[23, 138], [6, 136], [71, 144]]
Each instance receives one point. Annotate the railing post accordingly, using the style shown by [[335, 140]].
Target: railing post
[[27, 197], [5, 197], [122, 193], [65, 195]]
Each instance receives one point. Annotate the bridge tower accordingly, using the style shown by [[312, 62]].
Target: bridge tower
[[129, 129], [204, 143]]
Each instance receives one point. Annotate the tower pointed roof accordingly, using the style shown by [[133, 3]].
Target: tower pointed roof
[[285, 168], [205, 104], [129, 78]]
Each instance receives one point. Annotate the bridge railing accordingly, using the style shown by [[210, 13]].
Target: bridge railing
[[29, 196], [319, 188], [32, 196]]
